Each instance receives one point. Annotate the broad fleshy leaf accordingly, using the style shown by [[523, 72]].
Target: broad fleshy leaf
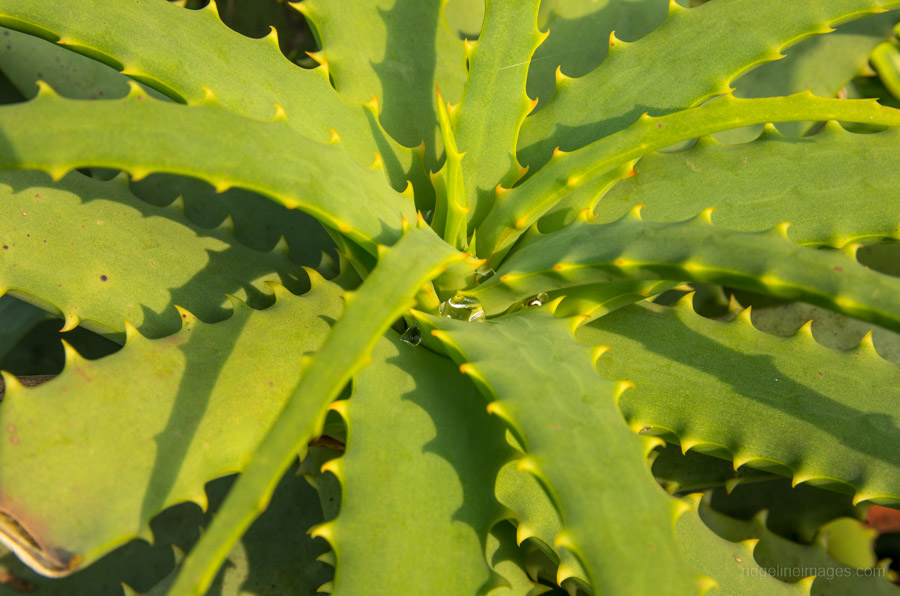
[[816, 414], [91, 456]]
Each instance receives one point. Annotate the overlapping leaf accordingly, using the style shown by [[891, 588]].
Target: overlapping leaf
[[320, 179], [114, 258], [83, 468], [817, 414], [422, 492], [542, 383]]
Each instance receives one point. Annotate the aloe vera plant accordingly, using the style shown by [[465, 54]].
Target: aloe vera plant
[[449, 261]]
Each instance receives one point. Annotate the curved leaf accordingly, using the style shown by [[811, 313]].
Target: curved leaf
[[319, 179], [92, 252], [387, 293], [717, 42], [755, 186], [567, 172], [542, 383], [494, 104], [695, 250], [248, 76], [396, 51], [143, 429], [440, 481], [814, 413]]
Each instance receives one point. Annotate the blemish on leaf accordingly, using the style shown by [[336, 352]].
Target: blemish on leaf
[[645, 429], [11, 428], [659, 125], [5, 247], [821, 374], [738, 560], [838, 268], [14, 440], [103, 278], [24, 214]]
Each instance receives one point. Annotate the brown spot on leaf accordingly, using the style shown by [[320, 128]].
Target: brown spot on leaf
[[103, 278]]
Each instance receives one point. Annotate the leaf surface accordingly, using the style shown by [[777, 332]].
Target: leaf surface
[[170, 414], [756, 186], [695, 250], [417, 478], [717, 42], [543, 385], [817, 414], [114, 258], [319, 179], [387, 293], [248, 76]]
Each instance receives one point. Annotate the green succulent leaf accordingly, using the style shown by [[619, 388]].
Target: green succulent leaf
[[494, 104], [717, 41], [579, 37], [816, 414], [695, 250], [396, 51], [171, 415], [418, 257], [824, 64], [319, 179], [116, 258], [543, 385], [248, 76], [523, 205], [813, 565], [756, 186], [440, 479]]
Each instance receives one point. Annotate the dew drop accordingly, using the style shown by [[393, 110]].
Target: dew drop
[[462, 308], [482, 275], [539, 300], [412, 336]]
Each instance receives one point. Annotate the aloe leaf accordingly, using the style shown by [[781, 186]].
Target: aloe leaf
[[319, 179], [115, 258], [795, 513], [732, 568], [397, 51], [248, 75], [508, 560], [717, 42], [494, 104], [258, 223], [389, 291], [29, 59], [579, 37], [886, 61], [786, 404], [276, 551], [523, 205], [538, 520], [819, 571], [440, 481], [732, 564], [543, 384], [451, 204], [755, 186], [824, 64], [695, 250], [185, 391]]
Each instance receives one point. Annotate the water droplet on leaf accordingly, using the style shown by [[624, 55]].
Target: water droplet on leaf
[[462, 308], [412, 336]]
